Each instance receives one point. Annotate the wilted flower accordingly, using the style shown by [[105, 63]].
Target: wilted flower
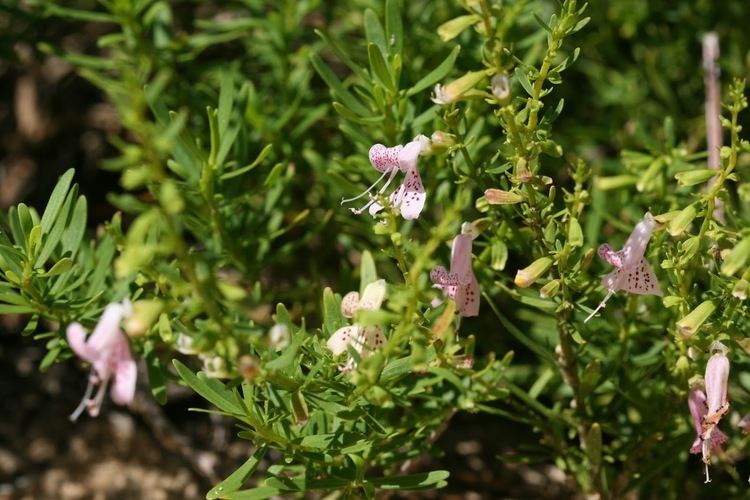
[[633, 273], [698, 410], [364, 339], [717, 375], [410, 195], [744, 424], [460, 284], [108, 351]]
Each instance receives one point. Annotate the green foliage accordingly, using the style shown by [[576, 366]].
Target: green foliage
[[557, 126]]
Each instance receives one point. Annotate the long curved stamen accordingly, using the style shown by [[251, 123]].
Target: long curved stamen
[[601, 304], [85, 401], [373, 199], [357, 211], [382, 176]]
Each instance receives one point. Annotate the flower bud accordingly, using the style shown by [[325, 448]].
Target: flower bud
[[442, 140], [299, 408], [682, 221], [691, 323], [550, 289], [144, 314], [214, 366], [744, 424], [500, 197], [693, 177], [740, 289], [500, 85], [185, 344], [736, 258], [455, 90], [278, 336], [527, 276]]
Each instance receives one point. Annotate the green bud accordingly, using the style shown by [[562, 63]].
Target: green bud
[[737, 257], [455, 90], [170, 198], [682, 221], [682, 366], [693, 177], [451, 29], [145, 313], [594, 444], [550, 289], [498, 255], [614, 182], [691, 323], [299, 408], [135, 177], [575, 234], [527, 276], [689, 248], [500, 197], [740, 289]]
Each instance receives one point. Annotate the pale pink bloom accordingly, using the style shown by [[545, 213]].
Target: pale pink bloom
[[632, 271], [410, 196], [364, 339], [698, 410], [717, 375], [108, 351], [460, 284]]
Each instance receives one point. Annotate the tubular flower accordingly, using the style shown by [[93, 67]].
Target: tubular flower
[[108, 351], [632, 271], [698, 410], [364, 339], [460, 284], [410, 196], [717, 375]]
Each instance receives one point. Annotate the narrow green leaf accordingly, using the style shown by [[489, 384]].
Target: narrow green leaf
[[211, 389], [343, 55], [394, 28], [523, 79], [259, 493], [436, 74], [380, 68], [156, 375], [56, 200], [258, 160], [367, 270], [61, 266], [425, 480], [235, 480], [374, 31], [337, 87], [332, 317], [72, 237], [226, 100]]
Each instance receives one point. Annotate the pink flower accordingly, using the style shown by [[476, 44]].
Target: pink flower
[[698, 410], [108, 352], [460, 284], [364, 339], [632, 271], [717, 375], [410, 195]]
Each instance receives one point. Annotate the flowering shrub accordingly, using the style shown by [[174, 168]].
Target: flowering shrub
[[233, 182]]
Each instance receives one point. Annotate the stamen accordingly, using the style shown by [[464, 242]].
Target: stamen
[[601, 305], [347, 200], [95, 404], [357, 211], [85, 401], [708, 478]]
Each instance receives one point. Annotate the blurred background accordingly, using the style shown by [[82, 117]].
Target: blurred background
[[640, 62]]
